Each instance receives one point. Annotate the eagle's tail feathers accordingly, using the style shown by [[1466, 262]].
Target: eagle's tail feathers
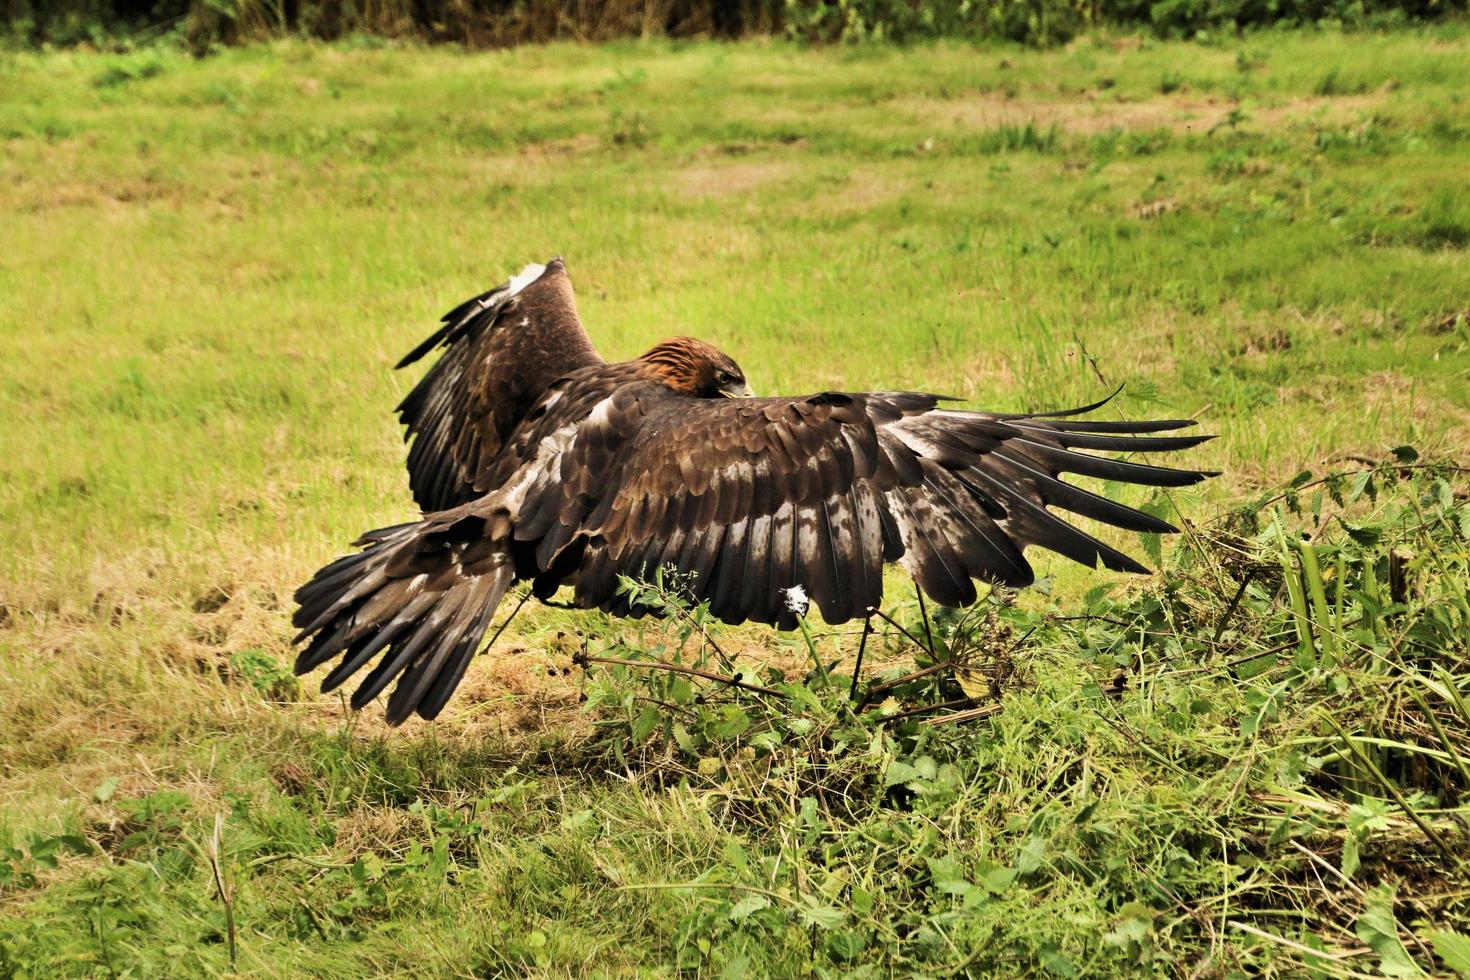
[[419, 598]]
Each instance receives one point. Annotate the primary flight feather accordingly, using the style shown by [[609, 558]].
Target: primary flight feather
[[534, 459]]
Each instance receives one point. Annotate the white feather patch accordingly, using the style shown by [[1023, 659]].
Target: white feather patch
[[548, 457], [600, 413], [527, 276], [905, 430]]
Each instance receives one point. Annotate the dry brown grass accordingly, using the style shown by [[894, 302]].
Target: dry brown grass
[[732, 179], [1096, 113]]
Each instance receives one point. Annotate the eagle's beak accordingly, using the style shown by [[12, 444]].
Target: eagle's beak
[[743, 391]]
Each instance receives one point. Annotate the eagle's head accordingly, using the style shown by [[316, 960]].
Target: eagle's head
[[692, 367]]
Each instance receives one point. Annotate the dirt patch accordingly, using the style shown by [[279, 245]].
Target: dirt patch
[[377, 829], [1157, 208], [1181, 113], [111, 193], [568, 146], [1448, 322], [859, 191], [1263, 341], [729, 179], [513, 690]]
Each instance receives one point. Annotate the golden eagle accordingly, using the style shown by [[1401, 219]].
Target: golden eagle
[[536, 460]]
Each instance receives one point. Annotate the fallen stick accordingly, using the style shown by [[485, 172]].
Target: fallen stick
[[582, 660], [960, 717]]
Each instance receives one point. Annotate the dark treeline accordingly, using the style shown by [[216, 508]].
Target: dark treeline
[[494, 23]]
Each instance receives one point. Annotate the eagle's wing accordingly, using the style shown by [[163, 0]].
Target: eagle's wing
[[504, 349], [750, 497]]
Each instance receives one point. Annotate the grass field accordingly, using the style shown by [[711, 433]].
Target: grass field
[[209, 267]]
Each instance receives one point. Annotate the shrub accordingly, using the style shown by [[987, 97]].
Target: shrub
[[491, 23], [1294, 682]]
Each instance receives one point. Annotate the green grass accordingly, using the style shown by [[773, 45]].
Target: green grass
[[209, 266]]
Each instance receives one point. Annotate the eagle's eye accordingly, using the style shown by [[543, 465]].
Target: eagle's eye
[[730, 383]]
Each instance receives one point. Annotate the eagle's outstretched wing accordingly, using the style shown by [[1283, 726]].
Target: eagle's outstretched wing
[[504, 348], [751, 497], [615, 474]]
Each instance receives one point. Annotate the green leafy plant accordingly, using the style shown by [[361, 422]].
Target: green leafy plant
[[21, 866], [266, 673]]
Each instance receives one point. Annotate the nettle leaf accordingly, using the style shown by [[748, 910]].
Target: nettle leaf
[[948, 877], [1362, 483], [1032, 856], [1260, 708], [1366, 535], [996, 879], [748, 906], [1444, 494], [899, 773], [75, 844], [1368, 815], [766, 740], [734, 721], [682, 737], [1351, 859], [1281, 833], [821, 916], [1379, 931], [736, 855], [578, 820], [736, 967], [800, 726], [1055, 963], [846, 945], [1095, 599], [1452, 947], [643, 726], [1253, 669], [1135, 925], [1153, 544], [1405, 454]]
